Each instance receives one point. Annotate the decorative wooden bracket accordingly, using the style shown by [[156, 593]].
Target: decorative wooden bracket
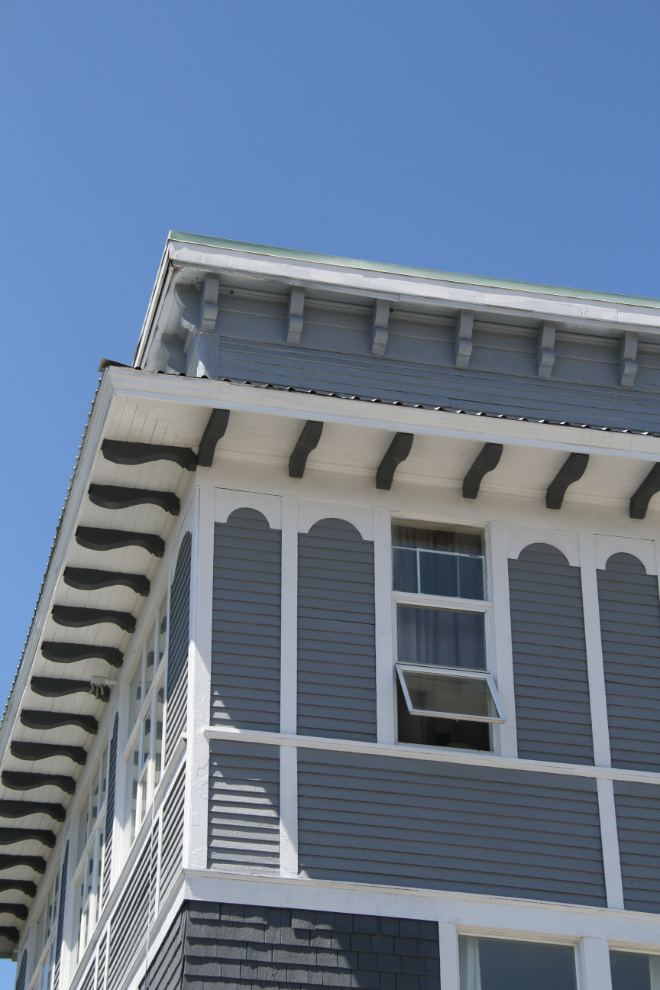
[[379, 332], [73, 652], [545, 350], [11, 934], [18, 910], [59, 687], [80, 618], [124, 452], [639, 503], [36, 863], [214, 431], [117, 539], [21, 809], [397, 452], [112, 497], [628, 359], [463, 339], [19, 780], [87, 579], [58, 720], [43, 751], [294, 318], [571, 471], [26, 887], [307, 441], [487, 460], [9, 836]]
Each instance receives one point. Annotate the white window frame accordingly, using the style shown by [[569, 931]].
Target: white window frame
[[87, 905], [452, 672]]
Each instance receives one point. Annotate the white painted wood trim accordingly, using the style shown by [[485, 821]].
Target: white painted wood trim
[[594, 648], [288, 812], [502, 655], [563, 540], [199, 683], [594, 964], [449, 973], [610, 841], [227, 500], [385, 684], [644, 550], [289, 617]]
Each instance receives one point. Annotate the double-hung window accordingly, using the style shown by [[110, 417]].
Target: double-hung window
[[89, 859], [144, 750], [446, 695], [45, 940]]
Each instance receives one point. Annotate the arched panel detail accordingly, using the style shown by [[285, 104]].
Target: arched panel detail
[[229, 500], [607, 547], [252, 516], [339, 527], [543, 553], [625, 563], [311, 512], [565, 541]]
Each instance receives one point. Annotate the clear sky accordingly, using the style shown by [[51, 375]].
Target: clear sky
[[494, 137]]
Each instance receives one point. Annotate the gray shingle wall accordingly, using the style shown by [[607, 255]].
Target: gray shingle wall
[[416, 823], [336, 633], [553, 713], [638, 824], [259, 948], [630, 631], [245, 667]]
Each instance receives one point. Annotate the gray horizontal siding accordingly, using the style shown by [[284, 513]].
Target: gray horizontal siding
[[244, 793], [245, 668], [336, 633], [638, 824], [416, 823], [553, 713], [630, 631]]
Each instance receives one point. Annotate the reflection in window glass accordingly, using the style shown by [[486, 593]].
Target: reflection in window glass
[[440, 637], [158, 740], [634, 971], [162, 629], [135, 695], [445, 694], [499, 964], [133, 769], [150, 648], [438, 562]]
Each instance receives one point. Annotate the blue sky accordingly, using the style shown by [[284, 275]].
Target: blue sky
[[494, 137]]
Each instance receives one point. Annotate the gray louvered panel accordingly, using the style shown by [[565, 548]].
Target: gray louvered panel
[[166, 969], [245, 670], [128, 926], [172, 843], [630, 631], [110, 810], [100, 963], [21, 974], [89, 979], [177, 650], [244, 824], [549, 658], [638, 825], [153, 872], [416, 823], [423, 380], [336, 633]]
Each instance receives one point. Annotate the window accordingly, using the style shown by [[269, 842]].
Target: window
[[88, 872], [45, 940], [499, 964], [446, 696], [144, 751], [634, 971]]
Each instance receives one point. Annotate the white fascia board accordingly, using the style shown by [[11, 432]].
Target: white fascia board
[[380, 415], [377, 284]]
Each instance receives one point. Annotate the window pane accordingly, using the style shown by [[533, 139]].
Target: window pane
[[427, 730], [158, 740], [438, 573], [440, 637], [405, 570], [448, 539], [162, 629], [634, 971], [135, 693], [496, 964], [150, 653], [133, 768], [471, 577], [443, 694]]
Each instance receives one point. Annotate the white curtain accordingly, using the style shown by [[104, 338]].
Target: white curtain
[[654, 972], [468, 961]]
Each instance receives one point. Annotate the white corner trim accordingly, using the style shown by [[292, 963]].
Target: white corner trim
[[311, 511], [644, 550], [594, 964], [502, 654], [594, 647], [564, 540], [227, 500], [288, 812], [289, 617], [449, 974], [610, 841], [385, 693]]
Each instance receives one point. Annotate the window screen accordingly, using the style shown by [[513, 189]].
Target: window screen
[[634, 971], [438, 562], [498, 964]]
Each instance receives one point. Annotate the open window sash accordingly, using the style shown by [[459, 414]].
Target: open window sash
[[445, 692]]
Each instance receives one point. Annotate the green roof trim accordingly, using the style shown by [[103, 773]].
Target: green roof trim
[[497, 283]]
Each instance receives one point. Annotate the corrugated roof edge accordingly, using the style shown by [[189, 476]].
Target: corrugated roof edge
[[497, 283]]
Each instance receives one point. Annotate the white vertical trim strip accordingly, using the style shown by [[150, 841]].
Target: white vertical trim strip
[[199, 684], [594, 647], [289, 617], [502, 662], [594, 964], [449, 975], [288, 811], [385, 696], [610, 841]]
